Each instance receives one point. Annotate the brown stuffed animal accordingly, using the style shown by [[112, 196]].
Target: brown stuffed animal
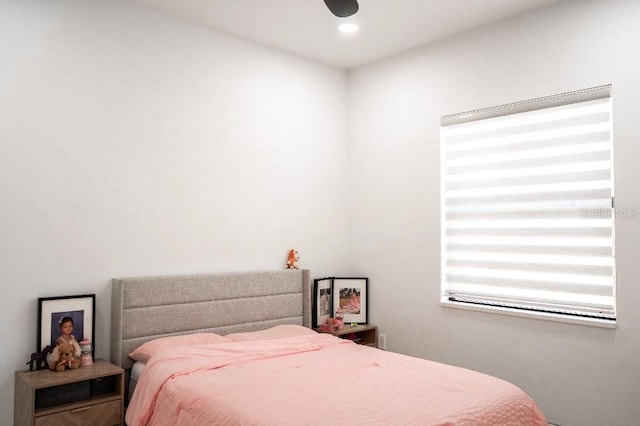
[[67, 358]]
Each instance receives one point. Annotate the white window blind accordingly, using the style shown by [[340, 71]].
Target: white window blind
[[527, 205]]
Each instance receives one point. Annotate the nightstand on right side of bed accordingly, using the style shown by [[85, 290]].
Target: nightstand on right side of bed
[[362, 334]]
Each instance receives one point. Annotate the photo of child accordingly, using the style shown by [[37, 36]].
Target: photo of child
[[325, 298], [350, 300], [66, 319], [66, 327], [322, 301], [66, 332]]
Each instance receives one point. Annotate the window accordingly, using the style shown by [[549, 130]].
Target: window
[[528, 207]]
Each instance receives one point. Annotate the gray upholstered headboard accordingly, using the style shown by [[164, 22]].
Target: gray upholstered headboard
[[150, 307]]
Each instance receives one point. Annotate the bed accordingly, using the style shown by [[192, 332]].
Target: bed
[[236, 348]]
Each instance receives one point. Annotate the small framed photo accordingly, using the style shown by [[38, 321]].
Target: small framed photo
[[350, 298], [322, 301], [66, 314]]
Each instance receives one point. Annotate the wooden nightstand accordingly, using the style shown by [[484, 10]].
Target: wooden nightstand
[[363, 334], [97, 394]]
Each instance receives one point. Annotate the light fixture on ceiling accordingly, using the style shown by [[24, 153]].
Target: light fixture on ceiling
[[342, 8], [348, 27]]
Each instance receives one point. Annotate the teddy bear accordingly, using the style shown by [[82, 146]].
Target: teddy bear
[[292, 261], [66, 358], [335, 323], [332, 324]]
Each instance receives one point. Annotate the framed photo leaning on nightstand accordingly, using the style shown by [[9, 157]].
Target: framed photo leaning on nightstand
[[322, 300], [52, 311], [350, 297]]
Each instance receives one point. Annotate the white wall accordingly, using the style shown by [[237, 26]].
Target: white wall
[[579, 375], [133, 143]]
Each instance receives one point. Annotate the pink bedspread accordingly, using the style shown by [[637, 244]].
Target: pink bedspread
[[318, 379]]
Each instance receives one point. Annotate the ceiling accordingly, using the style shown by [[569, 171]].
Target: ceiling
[[308, 29]]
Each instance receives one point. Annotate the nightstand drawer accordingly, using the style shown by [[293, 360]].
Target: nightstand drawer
[[105, 414]]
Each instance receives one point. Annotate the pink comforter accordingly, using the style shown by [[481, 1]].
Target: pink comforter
[[318, 379]]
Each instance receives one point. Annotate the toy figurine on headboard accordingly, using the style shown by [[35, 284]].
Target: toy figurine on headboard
[[292, 261]]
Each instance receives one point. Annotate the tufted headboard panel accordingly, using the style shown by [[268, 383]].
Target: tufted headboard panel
[[146, 308]]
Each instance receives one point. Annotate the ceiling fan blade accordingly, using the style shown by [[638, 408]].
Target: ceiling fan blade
[[342, 8]]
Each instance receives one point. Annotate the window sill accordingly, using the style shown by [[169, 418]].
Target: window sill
[[593, 322]]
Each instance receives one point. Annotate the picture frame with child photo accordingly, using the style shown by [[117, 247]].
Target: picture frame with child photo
[[64, 319], [350, 299], [322, 301]]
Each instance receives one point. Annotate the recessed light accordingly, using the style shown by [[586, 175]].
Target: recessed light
[[348, 28]]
